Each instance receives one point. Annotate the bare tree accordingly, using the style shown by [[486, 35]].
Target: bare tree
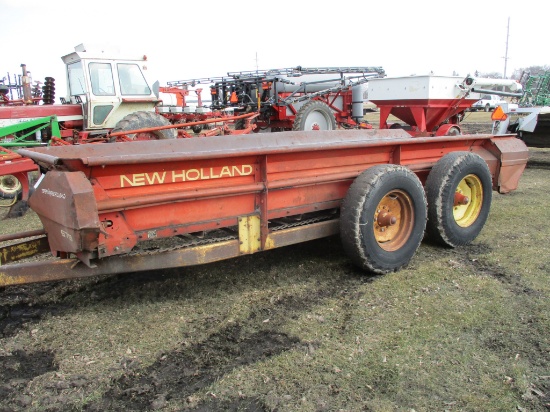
[[531, 70], [490, 75]]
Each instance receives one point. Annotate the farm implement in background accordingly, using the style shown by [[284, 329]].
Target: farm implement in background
[[297, 98], [530, 118]]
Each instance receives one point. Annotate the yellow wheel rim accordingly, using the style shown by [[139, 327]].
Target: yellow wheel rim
[[468, 201], [393, 220]]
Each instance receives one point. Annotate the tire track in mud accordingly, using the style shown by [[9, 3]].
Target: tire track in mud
[[187, 369], [17, 369], [472, 256], [178, 375], [533, 337], [538, 163], [21, 306], [539, 159], [529, 339]]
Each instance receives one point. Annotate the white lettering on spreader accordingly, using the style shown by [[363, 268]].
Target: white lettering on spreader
[[54, 194], [66, 235]]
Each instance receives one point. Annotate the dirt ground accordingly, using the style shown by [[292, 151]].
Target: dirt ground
[[297, 329]]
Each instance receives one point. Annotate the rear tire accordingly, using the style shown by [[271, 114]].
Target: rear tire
[[459, 193], [383, 218], [314, 115], [143, 120]]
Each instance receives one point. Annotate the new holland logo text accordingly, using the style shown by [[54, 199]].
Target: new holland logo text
[[177, 176]]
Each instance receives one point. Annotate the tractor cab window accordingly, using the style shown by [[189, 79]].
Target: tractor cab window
[[77, 84], [131, 80], [101, 77]]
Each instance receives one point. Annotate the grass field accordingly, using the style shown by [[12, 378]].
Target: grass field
[[298, 328]]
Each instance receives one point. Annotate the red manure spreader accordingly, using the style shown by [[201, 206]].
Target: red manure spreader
[[124, 207]]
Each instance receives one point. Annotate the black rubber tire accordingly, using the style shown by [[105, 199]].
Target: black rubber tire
[[487, 108], [453, 131], [239, 124], [309, 112], [466, 173], [142, 120], [358, 218], [10, 187]]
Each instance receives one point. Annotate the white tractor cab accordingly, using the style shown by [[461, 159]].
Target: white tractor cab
[[109, 88]]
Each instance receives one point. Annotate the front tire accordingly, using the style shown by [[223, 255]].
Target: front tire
[[459, 193], [314, 115], [383, 218], [144, 120]]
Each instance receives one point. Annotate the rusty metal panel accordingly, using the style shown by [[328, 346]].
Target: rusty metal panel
[[280, 165], [60, 269], [514, 155], [316, 197], [179, 213], [66, 205], [302, 234], [21, 235], [116, 236], [176, 150]]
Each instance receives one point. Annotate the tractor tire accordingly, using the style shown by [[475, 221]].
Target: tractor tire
[[383, 218], [10, 187], [143, 120], [314, 115], [459, 193], [239, 124]]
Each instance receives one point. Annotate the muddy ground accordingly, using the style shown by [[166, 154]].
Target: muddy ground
[[295, 329]]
